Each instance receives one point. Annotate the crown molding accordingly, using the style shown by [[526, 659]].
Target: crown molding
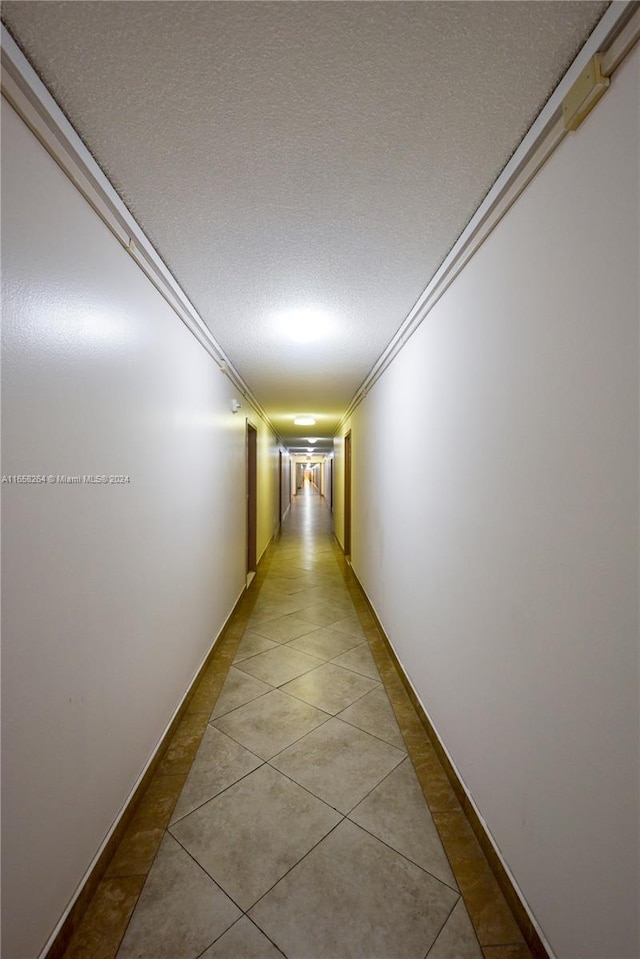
[[29, 97], [614, 36]]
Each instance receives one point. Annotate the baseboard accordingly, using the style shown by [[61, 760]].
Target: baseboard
[[531, 934], [61, 937]]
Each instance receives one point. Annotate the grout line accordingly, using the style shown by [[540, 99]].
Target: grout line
[[441, 929], [175, 822], [227, 644], [265, 935], [221, 661], [302, 858], [382, 655]]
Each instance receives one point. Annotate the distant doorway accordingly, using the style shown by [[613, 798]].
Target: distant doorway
[[252, 496], [347, 494], [331, 484]]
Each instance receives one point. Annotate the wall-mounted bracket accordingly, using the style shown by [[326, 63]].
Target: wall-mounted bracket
[[584, 94]]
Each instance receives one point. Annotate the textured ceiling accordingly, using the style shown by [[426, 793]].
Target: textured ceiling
[[287, 155]]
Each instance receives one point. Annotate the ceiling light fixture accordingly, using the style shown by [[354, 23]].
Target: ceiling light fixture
[[304, 421], [312, 439], [304, 325]]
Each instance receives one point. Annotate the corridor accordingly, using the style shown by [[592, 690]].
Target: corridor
[[393, 246], [302, 829]]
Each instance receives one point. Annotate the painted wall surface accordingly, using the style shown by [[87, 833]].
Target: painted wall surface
[[505, 567], [112, 593]]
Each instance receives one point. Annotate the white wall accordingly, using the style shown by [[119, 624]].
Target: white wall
[[505, 567], [112, 594]]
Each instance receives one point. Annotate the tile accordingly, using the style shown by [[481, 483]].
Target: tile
[[396, 812], [288, 571], [278, 666], [273, 594], [252, 644], [321, 614], [374, 714], [208, 689], [267, 610], [248, 837], [315, 595], [268, 725], [219, 763], [325, 643], [457, 939], [243, 941], [351, 626], [284, 629], [431, 775], [329, 687], [184, 745], [516, 950], [295, 584], [489, 912], [238, 689], [360, 660], [397, 912], [145, 832], [105, 920], [181, 910], [338, 763]]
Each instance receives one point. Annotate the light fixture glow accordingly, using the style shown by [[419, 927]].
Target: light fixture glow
[[306, 324], [312, 439], [304, 421]]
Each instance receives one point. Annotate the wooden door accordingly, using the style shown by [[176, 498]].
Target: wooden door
[[347, 494], [252, 496]]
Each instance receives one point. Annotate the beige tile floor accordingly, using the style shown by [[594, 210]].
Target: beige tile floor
[[302, 829]]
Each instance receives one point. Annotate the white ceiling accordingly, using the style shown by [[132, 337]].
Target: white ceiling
[[302, 155]]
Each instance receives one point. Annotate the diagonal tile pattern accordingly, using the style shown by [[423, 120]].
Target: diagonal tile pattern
[[338, 763], [219, 763], [397, 912], [373, 714], [326, 643], [278, 666], [360, 660], [238, 690], [242, 941], [302, 829], [395, 812], [251, 835], [270, 724], [181, 910], [284, 629], [330, 688]]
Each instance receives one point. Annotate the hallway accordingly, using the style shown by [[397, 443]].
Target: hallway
[[395, 245], [301, 829]]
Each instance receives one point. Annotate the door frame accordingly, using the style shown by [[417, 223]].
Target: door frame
[[252, 497], [347, 494]]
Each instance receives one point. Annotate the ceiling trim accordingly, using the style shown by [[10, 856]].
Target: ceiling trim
[[613, 37], [27, 94]]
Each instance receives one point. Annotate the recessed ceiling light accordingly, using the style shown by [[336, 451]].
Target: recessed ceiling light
[[304, 421], [312, 439], [305, 324]]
